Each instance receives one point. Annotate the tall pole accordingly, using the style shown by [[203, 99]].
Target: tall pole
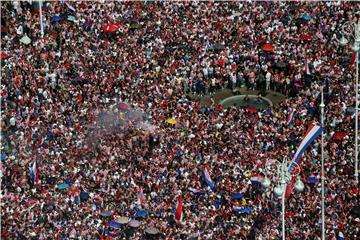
[[322, 106], [283, 185], [41, 20], [357, 117]]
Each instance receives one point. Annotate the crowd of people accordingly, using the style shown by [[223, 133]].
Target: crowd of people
[[89, 101]]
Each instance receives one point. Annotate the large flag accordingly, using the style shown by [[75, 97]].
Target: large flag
[[34, 173], [313, 132], [178, 213], [207, 179]]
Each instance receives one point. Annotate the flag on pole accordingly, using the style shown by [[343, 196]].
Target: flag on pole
[[207, 179], [289, 187], [291, 117], [178, 213], [34, 173], [140, 196], [307, 69], [313, 132]]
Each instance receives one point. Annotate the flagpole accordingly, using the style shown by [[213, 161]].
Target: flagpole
[[41, 20], [322, 106], [283, 183], [357, 117]]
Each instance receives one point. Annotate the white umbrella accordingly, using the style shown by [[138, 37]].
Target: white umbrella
[[25, 40], [152, 230], [134, 223]]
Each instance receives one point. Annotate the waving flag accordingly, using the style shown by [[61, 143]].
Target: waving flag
[[40, 143], [208, 180], [140, 196], [34, 173], [196, 192], [178, 213], [257, 179], [291, 117], [242, 209], [312, 133]]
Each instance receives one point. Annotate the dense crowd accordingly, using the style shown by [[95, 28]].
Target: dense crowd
[[90, 107]]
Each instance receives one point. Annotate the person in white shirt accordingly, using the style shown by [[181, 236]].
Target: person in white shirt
[[268, 80]]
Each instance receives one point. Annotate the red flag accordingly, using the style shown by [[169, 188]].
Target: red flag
[[353, 58], [290, 187], [178, 213]]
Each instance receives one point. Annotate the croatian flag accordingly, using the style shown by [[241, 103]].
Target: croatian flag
[[313, 132], [196, 192], [178, 213], [76, 195], [256, 179], [140, 195], [291, 117], [208, 180], [34, 173]]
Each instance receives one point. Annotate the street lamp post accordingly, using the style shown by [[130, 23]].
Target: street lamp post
[[355, 48], [283, 178], [41, 20], [322, 106]]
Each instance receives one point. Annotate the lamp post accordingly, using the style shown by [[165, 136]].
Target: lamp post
[[322, 106], [283, 178], [41, 20], [343, 41]]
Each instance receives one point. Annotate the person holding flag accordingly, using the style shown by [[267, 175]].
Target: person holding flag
[[208, 179], [34, 173], [75, 194], [140, 196], [291, 116], [179, 210]]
